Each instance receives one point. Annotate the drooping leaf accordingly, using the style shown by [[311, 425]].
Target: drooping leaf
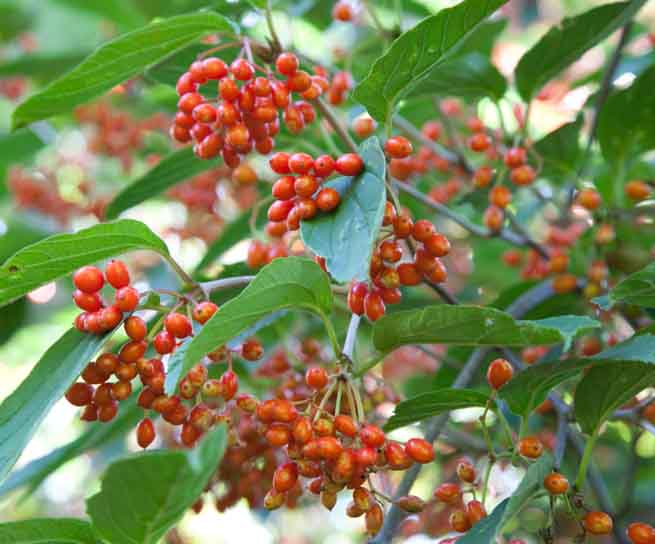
[[570, 326], [417, 52], [432, 404], [144, 495], [485, 530], [61, 254], [560, 151], [531, 484], [637, 288], [470, 76], [627, 120], [466, 326], [50, 530], [345, 237], [565, 43], [23, 410], [178, 166], [288, 283], [116, 62], [606, 388]]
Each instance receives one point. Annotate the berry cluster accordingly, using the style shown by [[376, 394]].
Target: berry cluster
[[299, 195], [247, 117], [388, 273]]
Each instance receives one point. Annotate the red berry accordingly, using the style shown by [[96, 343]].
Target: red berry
[[178, 325], [523, 175], [356, 296], [287, 64], [409, 274], [499, 373], [530, 447], [374, 306], [91, 302], [515, 157], [328, 199], [398, 147], [164, 342], [126, 299], [88, 279], [342, 11], [299, 82], [214, 68], [145, 433], [598, 523], [316, 377], [419, 450], [437, 245], [284, 188], [556, 484], [301, 163], [285, 477], [466, 472], [450, 493], [117, 274], [324, 166], [372, 436], [242, 70], [479, 142], [641, 533], [204, 311], [423, 230], [349, 164], [135, 328], [79, 394], [109, 317], [305, 186], [252, 350]]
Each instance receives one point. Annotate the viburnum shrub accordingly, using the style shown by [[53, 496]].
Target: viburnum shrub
[[374, 239]]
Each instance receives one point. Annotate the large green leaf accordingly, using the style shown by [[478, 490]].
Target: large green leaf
[[293, 282], [432, 404], [531, 484], [95, 436], [417, 52], [560, 151], [485, 530], [606, 388], [565, 43], [467, 326], [23, 410], [116, 62], [61, 254], [470, 76], [569, 326], [143, 496], [637, 348], [626, 125], [345, 237], [47, 530], [637, 288], [178, 166]]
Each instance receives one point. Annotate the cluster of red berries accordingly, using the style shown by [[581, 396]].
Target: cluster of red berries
[[247, 117], [388, 273], [299, 193]]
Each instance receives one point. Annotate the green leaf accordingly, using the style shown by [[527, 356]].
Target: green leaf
[[530, 387], [116, 62], [606, 388], [123, 12], [61, 254], [42, 66], [293, 282], [50, 530], [637, 288], [560, 151], [178, 166], [345, 237], [176, 368], [565, 43], [95, 436], [466, 326], [432, 404], [14, 19], [531, 484], [417, 52], [471, 76], [16, 148], [23, 410], [570, 326], [143, 496], [627, 120], [638, 348], [485, 530]]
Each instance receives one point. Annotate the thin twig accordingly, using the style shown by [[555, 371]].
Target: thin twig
[[331, 118], [226, 283]]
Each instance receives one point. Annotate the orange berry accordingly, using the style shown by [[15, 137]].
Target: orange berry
[[530, 447], [499, 373], [556, 483], [598, 523]]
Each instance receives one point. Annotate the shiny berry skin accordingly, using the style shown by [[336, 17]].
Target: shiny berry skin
[[79, 394], [564, 283], [117, 274], [108, 411], [279, 163], [449, 493], [204, 311], [530, 447], [589, 199], [90, 302], [316, 377], [324, 166], [305, 186], [398, 147], [483, 176], [556, 483], [475, 511], [499, 373], [164, 342], [242, 70], [126, 299], [299, 82], [523, 175], [423, 230], [493, 218], [287, 64], [132, 351], [328, 199], [641, 533], [637, 190], [364, 126], [345, 425], [374, 307], [284, 188], [107, 363], [178, 325], [88, 279], [279, 210], [214, 68], [374, 519], [391, 251], [466, 472], [110, 317], [409, 274], [372, 436], [419, 450], [145, 433], [479, 142], [356, 296], [285, 477], [437, 245], [349, 164], [252, 350], [515, 157], [500, 196], [598, 523], [135, 328], [301, 163], [459, 521]]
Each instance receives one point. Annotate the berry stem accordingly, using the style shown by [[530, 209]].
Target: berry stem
[[331, 118], [487, 474], [227, 283], [271, 27], [188, 280], [586, 459], [351, 337]]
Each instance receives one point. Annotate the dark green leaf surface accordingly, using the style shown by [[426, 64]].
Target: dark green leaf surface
[[417, 52], [177, 167], [23, 410], [47, 530], [432, 404], [560, 151], [570, 326], [345, 237], [144, 495], [638, 288], [59, 255], [638, 348], [117, 61], [565, 43]]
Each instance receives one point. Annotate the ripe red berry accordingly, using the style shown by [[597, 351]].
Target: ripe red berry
[[641, 533], [242, 70], [450, 493], [437, 245], [475, 511], [145, 433], [479, 142], [214, 68], [107, 412], [300, 163], [374, 519], [91, 302], [79, 394], [349, 164], [178, 325], [364, 125], [391, 251], [419, 450], [482, 176], [466, 472], [372, 436], [285, 477], [316, 377], [374, 306], [117, 274], [299, 82], [556, 483], [284, 188], [88, 279], [589, 199], [493, 218], [107, 363], [324, 166], [409, 274], [637, 190], [342, 11], [459, 521], [499, 373], [306, 185], [287, 64], [126, 299], [500, 196], [423, 230], [108, 318], [398, 147], [523, 175], [598, 523], [515, 157], [252, 350], [204, 311], [356, 297], [530, 447], [164, 342], [328, 199], [135, 328]]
